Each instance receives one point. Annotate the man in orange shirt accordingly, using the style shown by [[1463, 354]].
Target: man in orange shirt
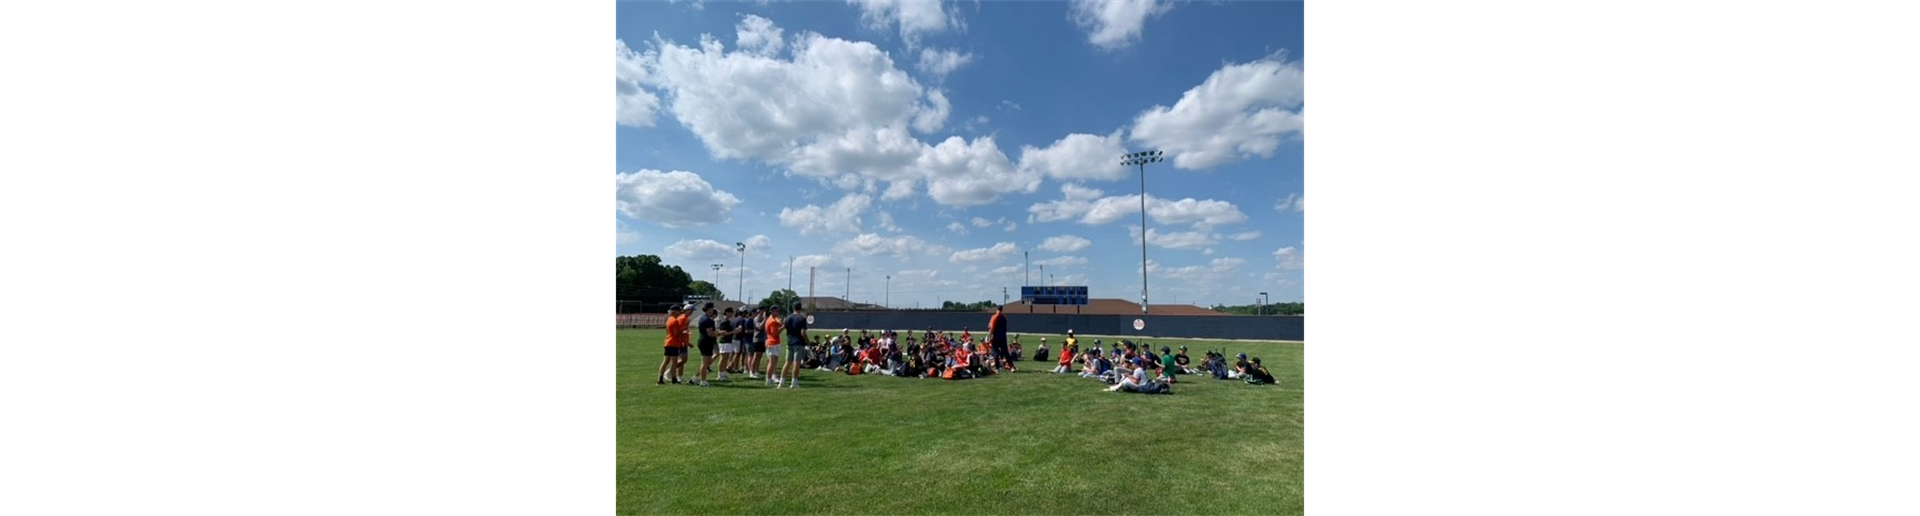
[[997, 340], [676, 345], [773, 346]]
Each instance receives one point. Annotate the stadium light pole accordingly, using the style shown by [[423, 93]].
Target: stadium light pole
[[889, 300], [716, 275], [740, 288], [1141, 159], [1264, 301], [1043, 274]]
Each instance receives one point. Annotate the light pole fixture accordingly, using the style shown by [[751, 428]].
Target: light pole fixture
[[740, 288], [889, 299], [716, 275], [1264, 301], [1141, 159]]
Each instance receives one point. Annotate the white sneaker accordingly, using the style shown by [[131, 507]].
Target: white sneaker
[[770, 382], [753, 376], [794, 384], [703, 383], [722, 377]]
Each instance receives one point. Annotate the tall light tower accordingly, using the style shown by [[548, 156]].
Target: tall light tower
[[849, 298], [716, 276], [889, 299], [740, 288], [1264, 301], [1141, 159]]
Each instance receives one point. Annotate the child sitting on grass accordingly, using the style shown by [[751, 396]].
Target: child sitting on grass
[[1258, 374]]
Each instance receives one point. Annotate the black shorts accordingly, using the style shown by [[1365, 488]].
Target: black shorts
[[757, 347], [675, 352], [706, 349]]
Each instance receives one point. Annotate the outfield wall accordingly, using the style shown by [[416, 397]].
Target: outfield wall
[[1169, 326]]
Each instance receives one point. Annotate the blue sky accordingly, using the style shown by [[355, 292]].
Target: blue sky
[[937, 142]]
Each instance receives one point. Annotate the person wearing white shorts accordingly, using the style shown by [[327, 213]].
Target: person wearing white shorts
[[729, 347]]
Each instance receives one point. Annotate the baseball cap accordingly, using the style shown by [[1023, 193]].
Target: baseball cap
[[1164, 349], [1243, 355]]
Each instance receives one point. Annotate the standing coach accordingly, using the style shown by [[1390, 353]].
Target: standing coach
[[997, 333]]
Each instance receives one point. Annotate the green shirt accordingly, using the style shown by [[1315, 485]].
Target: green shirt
[[1168, 366]]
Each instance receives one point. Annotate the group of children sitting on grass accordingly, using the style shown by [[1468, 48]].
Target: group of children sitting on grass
[[1126, 367]]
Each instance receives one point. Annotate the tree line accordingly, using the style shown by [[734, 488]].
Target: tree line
[[1296, 308]]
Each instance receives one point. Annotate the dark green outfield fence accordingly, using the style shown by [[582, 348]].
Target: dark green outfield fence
[[1167, 326]]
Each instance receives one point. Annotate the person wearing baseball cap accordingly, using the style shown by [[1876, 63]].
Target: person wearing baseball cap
[[1168, 365], [1240, 367], [1134, 379], [1258, 374], [676, 346]]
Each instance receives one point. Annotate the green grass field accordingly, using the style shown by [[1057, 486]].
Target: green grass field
[[1030, 442]]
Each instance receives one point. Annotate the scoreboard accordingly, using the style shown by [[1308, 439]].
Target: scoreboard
[[1054, 295]]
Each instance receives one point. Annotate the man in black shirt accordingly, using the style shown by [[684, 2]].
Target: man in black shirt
[[709, 332], [796, 328]]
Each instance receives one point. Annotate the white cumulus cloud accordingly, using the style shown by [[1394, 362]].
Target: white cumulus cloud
[[1115, 24], [971, 174], [1294, 202], [1289, 258], [1199, 213], [915, 18], [999, 252], [673, 199], [633, 105], [833, 110], [939, 63], [1241, 110], [842, 216], [871, 244], [692, 250], [1078, 156], [758, 35]]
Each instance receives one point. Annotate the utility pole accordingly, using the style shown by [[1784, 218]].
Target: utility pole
[[790, 272], [716, 276], [1029, 257], [1003, 295], [849, 287], [889, 299], [740, 287]]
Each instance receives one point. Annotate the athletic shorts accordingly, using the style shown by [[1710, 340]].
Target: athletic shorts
[[675, 352], [757, 347], [796, 353], [729, 347], [706, 349]]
